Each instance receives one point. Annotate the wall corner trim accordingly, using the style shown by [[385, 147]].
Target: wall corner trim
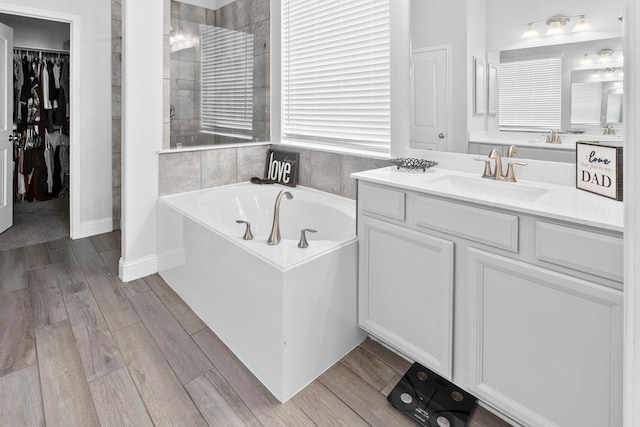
[[137, 268]]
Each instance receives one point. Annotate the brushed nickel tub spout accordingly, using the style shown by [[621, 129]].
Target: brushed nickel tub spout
[[274, 237]]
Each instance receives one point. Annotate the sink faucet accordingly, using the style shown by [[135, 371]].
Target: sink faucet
[[498, 175], [554, 137], [274, 237]]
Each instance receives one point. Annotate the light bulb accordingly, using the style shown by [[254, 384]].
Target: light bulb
[[555, 28], [582, 24], [530, 32]]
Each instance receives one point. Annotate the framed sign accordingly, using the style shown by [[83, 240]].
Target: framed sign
[[282, 167], [599, 169]]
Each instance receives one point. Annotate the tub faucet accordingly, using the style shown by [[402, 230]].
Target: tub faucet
[[274, 237]]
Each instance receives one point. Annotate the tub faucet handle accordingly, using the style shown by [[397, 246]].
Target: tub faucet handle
[[303, 237], [247, 231]]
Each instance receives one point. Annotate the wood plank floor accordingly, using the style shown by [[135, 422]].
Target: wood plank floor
[[79, 347]]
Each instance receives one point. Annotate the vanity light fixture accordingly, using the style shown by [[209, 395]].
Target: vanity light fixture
[[556, 25], [531, 32], [582, 24], [605, 55], [610, 55]]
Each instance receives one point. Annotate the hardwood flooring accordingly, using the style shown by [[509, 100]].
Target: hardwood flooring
[[80, 348]]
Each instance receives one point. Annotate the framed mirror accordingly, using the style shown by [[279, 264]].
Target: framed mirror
[[492, 31]]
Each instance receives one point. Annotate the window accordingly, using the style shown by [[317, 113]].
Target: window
[[226, 106], [530, 94], [336, 78], [586, 100]]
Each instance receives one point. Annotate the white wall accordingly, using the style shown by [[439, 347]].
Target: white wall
[[90, 103], [142, 126], [37, 33], [631, 392]]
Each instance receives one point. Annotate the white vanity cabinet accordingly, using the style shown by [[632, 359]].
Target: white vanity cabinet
[[523, 311], [406, 281]]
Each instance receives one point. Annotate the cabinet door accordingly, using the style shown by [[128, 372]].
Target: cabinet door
[[405, 291], [544, 346]]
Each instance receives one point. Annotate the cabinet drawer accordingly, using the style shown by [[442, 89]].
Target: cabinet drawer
[[480, 225], [381, 201], [593, 253]]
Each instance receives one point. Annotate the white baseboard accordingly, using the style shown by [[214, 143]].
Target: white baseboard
[[137, 268], [171, 259], [92, 228]]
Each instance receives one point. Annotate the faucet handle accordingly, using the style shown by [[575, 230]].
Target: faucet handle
[[303, 237], [487, 167], [247, 231], [511, 176]]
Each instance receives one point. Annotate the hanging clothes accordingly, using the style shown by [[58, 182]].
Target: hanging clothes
[[18, 74], [41, 95], [64, 83], [53, 90], [51, 141], [45, 89]]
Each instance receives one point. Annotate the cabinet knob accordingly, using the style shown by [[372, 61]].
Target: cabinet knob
[[441, 135]]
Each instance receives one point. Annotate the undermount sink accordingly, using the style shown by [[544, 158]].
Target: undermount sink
[[480, 187]]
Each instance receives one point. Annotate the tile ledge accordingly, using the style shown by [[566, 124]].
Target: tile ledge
[[212, 147]]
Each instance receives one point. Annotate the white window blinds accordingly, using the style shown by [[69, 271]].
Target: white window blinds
[[336, 78], [586, 100], [226, 105], [530, 93]]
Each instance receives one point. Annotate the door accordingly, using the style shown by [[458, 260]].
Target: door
[[544, 346], [406, 292], [6, 127], [429, 99]]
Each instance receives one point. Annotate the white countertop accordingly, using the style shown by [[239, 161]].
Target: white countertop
[[538, 140], [559, 202], [533, 143]]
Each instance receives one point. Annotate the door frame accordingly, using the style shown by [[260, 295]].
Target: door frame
[[74, 98]]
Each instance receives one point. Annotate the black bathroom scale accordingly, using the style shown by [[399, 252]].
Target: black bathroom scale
[[431, 400]]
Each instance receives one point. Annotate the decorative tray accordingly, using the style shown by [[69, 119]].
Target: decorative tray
[[413, 164]]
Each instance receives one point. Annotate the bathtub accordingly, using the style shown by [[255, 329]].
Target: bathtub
[[287, 313]]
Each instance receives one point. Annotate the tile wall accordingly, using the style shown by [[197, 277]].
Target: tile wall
[[193, 170], [116, 86]]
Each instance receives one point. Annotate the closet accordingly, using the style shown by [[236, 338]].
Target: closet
[[41, 122], [41, 138]]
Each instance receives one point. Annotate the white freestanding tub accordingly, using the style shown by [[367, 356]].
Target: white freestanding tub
[[287, 313]]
